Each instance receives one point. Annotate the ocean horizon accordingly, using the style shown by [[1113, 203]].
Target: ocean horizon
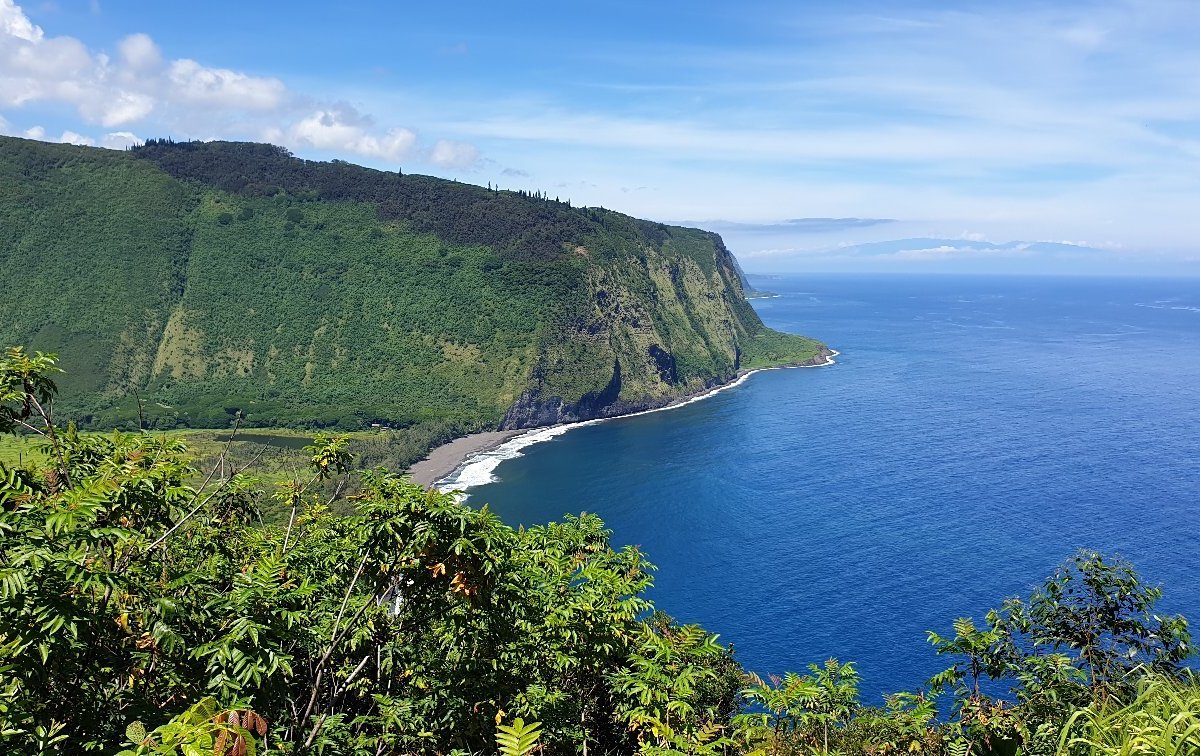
[[974, 433]]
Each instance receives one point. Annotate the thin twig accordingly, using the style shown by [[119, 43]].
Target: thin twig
[[350, 678], [48, 418], [237, 423], [224, 484], [337, 637], [338, 491]]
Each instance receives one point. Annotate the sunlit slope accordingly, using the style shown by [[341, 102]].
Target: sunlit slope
[[204, 279]]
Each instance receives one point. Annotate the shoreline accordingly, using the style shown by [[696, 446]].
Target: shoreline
[[469, 461], [443, 461]]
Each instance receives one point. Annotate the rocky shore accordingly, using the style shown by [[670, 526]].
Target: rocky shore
[[534, 411]]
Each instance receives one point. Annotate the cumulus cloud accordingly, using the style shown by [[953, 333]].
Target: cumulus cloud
[[137, 83], [342, 129], [34, 68], [70, 137], [123, 108], [222, 88], [119, 140], [67, 137], [112, 92], [454, 154], [14, 23], [139, 52]]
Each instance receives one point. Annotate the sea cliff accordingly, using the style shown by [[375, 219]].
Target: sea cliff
[[189, 284]]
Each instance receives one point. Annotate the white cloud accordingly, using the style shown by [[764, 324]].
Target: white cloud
[[119, 140], [775, 252], [35, 68], [67, 137], [55, 69], [454, 154], [984, 145], [120, 109], [14, 23], [1065, 121], [342, 129], [70, 137], [139, 52], [186, 97], [1107, 245], [222, 88]]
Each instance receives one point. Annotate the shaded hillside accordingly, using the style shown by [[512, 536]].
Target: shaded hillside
[[211, 278]]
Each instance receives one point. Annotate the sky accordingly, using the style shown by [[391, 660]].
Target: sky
[[804, 132]]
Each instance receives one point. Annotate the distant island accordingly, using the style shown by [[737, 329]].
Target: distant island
[[186, 284]]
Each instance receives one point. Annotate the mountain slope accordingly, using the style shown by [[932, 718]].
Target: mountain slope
[[211, 278]]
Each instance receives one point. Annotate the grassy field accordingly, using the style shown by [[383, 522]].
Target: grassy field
[[272, 456], [19, 450]]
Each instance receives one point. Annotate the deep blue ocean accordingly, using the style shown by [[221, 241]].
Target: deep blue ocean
[[974, 433]]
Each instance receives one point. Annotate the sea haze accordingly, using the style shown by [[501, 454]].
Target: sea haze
[[974, 433]]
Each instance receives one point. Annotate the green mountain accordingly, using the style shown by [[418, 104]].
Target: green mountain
[[204, 279]]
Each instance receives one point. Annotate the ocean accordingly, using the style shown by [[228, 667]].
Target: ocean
[[973, 434]]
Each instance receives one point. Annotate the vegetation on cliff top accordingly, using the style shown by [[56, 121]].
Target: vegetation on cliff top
[[189, 282], [139, 612]]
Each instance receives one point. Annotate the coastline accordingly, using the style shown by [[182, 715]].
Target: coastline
[[444, 460], [469, 461]]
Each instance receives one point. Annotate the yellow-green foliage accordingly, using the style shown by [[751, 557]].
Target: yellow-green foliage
[[1162, 720], [768, 348], [19, 450]]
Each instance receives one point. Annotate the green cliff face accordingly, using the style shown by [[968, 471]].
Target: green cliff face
[[658, 323], [207, 279]]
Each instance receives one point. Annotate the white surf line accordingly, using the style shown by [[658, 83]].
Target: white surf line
[[479, 469]]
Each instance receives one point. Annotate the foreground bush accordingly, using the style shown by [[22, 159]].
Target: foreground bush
[[138, 612], [1163, 718], [416, 625]]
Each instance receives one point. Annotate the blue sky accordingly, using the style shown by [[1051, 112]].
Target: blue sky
[[965, 122]]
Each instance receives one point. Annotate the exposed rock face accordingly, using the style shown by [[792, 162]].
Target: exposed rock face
[[659, 324], [532, 410], [666, 364]]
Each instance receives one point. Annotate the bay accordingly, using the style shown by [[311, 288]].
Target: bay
[[973, 434]]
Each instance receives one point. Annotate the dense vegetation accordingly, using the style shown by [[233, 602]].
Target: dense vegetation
[[140, 612], [185, 283]]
